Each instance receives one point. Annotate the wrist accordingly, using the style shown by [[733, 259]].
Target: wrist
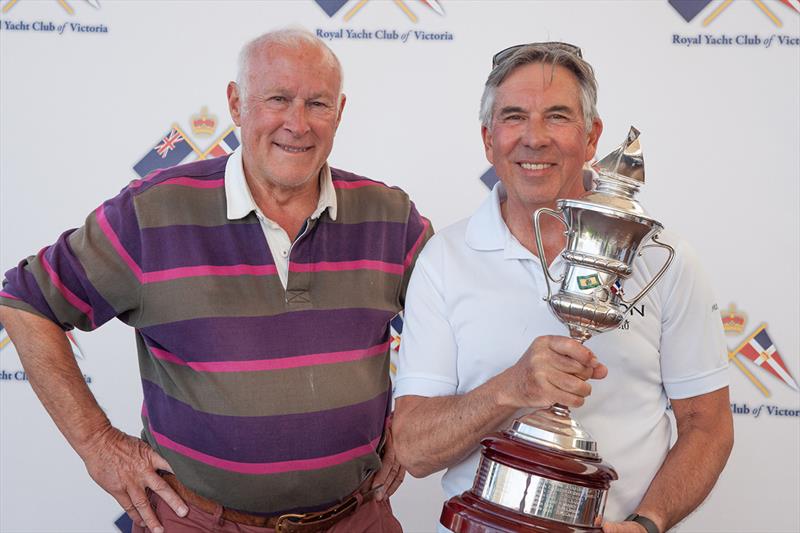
[[649, 525]]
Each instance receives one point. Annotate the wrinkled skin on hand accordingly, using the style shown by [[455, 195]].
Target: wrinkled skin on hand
[[553, 369], [126, 467]]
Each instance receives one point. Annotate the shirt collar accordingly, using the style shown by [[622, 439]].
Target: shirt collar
[[240, 201], [487, 231]]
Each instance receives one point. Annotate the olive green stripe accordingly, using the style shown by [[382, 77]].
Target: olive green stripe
[[269, 493], [264, 393], [240, 296], [371, 204]]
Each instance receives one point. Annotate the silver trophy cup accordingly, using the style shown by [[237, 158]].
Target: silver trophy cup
[[544, 473], [606, 231]]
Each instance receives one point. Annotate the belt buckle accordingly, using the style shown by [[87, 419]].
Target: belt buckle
[[285, 519]]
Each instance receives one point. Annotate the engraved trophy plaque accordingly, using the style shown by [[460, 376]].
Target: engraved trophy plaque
[[544, 473]]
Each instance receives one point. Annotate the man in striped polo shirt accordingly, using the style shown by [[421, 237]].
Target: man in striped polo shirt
[[260, 287]]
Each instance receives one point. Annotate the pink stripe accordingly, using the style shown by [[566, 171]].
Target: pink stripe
[[274, 364], [410, 257], [209, 270], [135, 184], [195, 183], [166, 356], [266, 468], [4, 294], [339, 266], [115, 242], [341, 184], [68, 295]]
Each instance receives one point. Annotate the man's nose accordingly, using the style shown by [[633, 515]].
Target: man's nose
[[536, 134], [296, 120]]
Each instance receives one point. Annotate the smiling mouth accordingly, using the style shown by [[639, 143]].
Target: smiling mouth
[[536, 166], [293, 149]]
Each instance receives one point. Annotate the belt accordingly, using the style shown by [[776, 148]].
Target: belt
[[287, 523]]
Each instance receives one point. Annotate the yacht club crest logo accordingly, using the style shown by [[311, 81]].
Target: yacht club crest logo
[[689, 9], [758, 348], [175, 145], [63, 3], [331, 7]]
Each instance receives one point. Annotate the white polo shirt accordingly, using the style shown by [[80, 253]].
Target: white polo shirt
[[240, 203], [475, 304]]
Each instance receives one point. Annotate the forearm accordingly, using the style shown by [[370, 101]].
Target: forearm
[[55, 377], [693, 465], [434, 433]]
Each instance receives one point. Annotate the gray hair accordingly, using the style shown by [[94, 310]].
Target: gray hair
[[292, 37], [545, 54]]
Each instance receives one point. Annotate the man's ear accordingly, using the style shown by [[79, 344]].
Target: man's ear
[[234, 102], [486, 135]]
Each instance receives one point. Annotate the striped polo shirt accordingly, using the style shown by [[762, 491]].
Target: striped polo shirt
[[264, 399]]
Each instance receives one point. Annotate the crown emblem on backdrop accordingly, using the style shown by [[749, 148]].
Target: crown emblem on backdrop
[[203, 123], [733, 321]]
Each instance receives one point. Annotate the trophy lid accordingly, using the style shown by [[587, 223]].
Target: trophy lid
[[619, 176], [554, 428], [626, 163]]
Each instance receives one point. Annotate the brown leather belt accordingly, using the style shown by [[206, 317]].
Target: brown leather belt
[[287, 523]]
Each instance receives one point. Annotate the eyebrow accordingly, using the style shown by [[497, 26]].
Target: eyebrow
[[560, 109], [508, 110]]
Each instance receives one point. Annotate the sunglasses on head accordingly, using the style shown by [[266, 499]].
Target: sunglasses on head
[[503, 55]]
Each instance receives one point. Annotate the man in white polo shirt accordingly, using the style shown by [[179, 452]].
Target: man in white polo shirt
[[480, 345]]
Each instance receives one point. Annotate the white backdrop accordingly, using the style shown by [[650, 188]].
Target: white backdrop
[[721, 135]]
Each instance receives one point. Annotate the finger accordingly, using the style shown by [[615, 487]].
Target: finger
[[158, 462], [130, 510], [381, 476], [567, 365], [142, 504], [570, 384], [157, 484], [572, 349], [398, 479], [600, 371], [390, 477]]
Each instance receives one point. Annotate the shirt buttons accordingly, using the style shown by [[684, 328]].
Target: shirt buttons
[[284, 252]]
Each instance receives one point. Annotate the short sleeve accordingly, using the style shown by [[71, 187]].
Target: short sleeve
[[88, 276], [428, 352], [694, 356]]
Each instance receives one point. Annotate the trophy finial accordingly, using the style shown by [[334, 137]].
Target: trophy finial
[[626, 162]]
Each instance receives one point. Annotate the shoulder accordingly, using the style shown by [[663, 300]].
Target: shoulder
[[361, 199], [348, 181], [208, 173], [446, 243]]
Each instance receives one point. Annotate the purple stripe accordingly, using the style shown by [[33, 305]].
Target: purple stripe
[[120, 214], [332, 242], [72, 273], [242, 338], [181, 246], [314, 359], [258, 439], [22, 285], [73, 299]]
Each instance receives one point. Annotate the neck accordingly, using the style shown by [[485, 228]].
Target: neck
[[289, 207], [520, 223]]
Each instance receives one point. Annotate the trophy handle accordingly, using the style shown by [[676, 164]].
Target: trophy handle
[[658, 244], [540, 246]]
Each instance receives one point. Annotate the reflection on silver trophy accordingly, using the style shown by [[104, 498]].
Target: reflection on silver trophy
[[544, 473], [605, 232]]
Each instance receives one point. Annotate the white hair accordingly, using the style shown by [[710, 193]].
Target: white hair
[[546, 55], [292, 37]]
